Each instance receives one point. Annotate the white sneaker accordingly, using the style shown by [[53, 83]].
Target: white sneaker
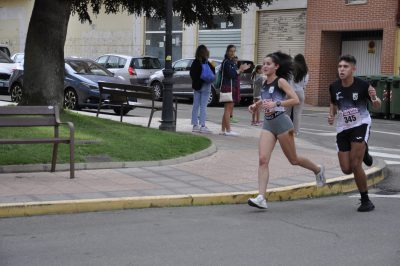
[[320, 177], [231, 133], [258, 202], [196, 128], [205, 130]]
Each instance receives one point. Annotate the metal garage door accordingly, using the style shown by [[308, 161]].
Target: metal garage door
[[281, 30], [368, 61], [217, 41]]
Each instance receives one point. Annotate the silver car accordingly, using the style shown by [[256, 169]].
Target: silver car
[[135, 69], [181, 80], [7, 66]]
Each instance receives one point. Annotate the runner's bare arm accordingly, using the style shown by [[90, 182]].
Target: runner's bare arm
[[293, 99], [376, 102], [332, 113]]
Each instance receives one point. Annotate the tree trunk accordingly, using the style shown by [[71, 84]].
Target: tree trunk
[[44, 53]]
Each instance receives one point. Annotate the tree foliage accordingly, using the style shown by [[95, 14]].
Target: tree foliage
[[191, 11]]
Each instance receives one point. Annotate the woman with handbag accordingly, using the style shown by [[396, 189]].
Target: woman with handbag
[[276, 95], [202, 73], [230, 89]]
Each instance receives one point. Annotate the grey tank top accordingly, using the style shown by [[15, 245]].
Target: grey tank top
[[272, 92]]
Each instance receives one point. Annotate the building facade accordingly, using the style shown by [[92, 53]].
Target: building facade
[[366, 29]]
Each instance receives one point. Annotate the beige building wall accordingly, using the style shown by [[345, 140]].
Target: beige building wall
[[14, 21], [111, 33]]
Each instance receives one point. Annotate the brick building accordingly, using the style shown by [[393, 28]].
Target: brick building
[[364, 28]]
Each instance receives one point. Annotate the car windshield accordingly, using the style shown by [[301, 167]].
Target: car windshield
[[88, 68], [146, 63]]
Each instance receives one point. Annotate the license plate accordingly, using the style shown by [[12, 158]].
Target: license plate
[[245, 86]]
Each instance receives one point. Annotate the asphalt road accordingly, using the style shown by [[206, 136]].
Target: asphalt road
[[325, 231]]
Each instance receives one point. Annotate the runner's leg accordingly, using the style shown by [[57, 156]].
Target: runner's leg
[[266, 146]]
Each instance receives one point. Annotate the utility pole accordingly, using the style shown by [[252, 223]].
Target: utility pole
[[167, 116]]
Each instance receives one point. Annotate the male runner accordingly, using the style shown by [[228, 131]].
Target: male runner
[[349, 101]]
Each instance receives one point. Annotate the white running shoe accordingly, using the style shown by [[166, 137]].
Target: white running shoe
[[231, 133], [258, 202], [320, 177], [196, 128], [205, 130]]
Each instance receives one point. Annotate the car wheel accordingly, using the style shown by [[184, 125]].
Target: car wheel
[[117, 110], [71, 99], [158, 87], [16, 92], [213, 98]]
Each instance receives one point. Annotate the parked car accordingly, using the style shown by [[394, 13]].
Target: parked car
[[134, 69], [181, 79], [18, 57], [80, 83], [7, 67], [246, 84], [4, 49]]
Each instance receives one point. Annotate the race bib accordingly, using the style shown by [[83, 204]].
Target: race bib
[[349, 118]]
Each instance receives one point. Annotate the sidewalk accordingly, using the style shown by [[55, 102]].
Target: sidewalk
[[228, 175]]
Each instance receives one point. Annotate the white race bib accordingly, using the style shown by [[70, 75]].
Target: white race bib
[[349, 118]]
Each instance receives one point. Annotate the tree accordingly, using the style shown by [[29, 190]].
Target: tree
[[47, 31]]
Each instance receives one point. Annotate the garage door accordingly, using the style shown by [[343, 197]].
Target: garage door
[[282, 30], [217, 41]]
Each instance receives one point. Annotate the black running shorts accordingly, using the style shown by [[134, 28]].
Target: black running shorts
[[355, 134]]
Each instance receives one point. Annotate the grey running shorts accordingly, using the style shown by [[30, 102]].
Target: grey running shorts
[[278, 125]]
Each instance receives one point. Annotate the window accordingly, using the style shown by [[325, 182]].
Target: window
[[112, 62], [155, 38], [183, 65], [102, 60], [121, 63], [146, 63], [355, 2]]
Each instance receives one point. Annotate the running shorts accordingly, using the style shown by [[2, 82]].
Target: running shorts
[[355, 134]]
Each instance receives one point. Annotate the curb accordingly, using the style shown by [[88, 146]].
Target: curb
[[108, 165], [334, 186]]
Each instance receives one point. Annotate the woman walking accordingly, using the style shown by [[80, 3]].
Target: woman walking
[[276, 95], [257, 78], [229, 83], [298, 83], [202, 73]]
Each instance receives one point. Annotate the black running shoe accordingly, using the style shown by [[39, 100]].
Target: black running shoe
[[367, 158], [366, 206]]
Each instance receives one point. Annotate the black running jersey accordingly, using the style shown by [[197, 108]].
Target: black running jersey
[[272, 92], [351, 102]]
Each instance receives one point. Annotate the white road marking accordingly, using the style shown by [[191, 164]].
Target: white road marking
[[394, 196], [385, 132], [375, 148], [392, 162], [384, 155]]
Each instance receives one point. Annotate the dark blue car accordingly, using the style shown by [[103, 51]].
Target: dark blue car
[[80, 83]]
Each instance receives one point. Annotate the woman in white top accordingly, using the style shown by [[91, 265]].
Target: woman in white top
[[298, 83]]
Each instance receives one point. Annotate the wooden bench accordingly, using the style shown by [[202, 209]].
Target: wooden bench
[[117, 95], [38, 116]]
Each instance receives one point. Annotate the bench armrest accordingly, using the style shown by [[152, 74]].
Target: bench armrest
[[71, 128]]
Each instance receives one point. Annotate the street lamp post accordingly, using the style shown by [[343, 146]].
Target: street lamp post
[[167, 117]]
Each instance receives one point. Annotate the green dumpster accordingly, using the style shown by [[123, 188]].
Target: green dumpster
[[382, 87], [394, 97]]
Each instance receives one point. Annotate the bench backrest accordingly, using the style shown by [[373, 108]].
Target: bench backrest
[[119, 92], [28, 116]]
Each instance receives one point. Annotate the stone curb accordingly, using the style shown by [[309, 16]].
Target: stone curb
[[334, 186], [108, 165]]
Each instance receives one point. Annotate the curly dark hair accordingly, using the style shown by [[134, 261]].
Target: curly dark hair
[[348, 58], [300, 68], [285, 63]]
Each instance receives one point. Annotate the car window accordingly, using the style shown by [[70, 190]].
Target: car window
[[88, 68], [122, 62], [182, 65], [4, 58], [112, 62], [146, 63], [5, 50], [102, 60]]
